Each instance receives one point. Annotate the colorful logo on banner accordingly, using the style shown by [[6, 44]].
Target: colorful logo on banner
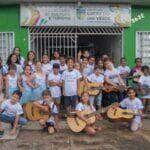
[[72, 15], [122, 18]]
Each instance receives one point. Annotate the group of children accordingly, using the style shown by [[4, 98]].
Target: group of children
[[58, 81]]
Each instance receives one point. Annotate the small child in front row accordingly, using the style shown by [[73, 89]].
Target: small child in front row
[[133, 103], [10, 112], [85, 105], [52, 124]]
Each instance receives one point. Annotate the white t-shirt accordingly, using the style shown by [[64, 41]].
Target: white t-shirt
[[55, 62], [87, 71], [18, 67], [112, 75], [63, 68], [11, 109], [134, 105], [124, 69], [145, 80], [82, 107], [70, 78], [47, 68], [97, 79], [92, 66], [55, 90]]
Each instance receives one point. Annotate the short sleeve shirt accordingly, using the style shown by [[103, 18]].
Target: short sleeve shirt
[[70, 78], [134, 105], [10, 109]]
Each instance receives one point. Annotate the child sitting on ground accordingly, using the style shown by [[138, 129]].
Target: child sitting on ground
[[133, 103], [52, 124], [10, 112], [90, 129]]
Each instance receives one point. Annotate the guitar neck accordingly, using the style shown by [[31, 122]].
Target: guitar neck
[[100, 111]]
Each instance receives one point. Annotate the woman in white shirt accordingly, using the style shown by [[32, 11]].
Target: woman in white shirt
[[113, 79]]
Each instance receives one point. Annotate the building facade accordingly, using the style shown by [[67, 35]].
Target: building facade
[[130, 40]]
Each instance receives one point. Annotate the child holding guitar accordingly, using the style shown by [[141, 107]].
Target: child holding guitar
[[132, 103], [85, 105], [47, 105], [98, 78]]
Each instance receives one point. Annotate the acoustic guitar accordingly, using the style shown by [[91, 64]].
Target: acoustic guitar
[[92, 88], [110, 88], [77, 125], [34, 113], [119, 114]]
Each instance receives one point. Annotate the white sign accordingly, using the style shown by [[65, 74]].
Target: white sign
[[72, 15]]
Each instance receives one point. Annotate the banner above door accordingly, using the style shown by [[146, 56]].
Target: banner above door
[[61, 14]]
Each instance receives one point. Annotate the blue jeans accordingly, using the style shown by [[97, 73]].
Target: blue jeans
[[11, 119]]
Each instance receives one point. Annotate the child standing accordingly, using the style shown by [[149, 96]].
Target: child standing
[[52, 124], [124, 70], [71, 79], [40, 81], [1, 86], [144, 83], [1, 78], [26, 85], [55, 60], [46, 66], [145, 78], [55, 83], [12, 60], [96, 77], [21, 60], [10, 112], [11, 81], [31, 60], [86, 69], [63, 65]]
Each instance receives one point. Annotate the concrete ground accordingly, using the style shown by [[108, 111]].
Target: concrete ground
[[114, 136]]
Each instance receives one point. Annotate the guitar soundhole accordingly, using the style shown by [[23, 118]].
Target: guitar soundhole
[[32, 111], [115, 112]]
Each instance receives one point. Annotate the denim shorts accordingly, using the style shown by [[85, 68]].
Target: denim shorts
[[11, 119]]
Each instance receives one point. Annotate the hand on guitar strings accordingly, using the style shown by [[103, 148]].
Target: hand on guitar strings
[[98, 117]]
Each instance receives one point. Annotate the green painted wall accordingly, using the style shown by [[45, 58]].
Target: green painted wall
[[9, 21], [129, 38]]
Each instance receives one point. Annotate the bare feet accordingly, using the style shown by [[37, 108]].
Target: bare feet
[[51, 130], [13, 132], [98, 128]]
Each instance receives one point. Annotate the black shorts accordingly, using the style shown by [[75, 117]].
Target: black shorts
[[70, 101]]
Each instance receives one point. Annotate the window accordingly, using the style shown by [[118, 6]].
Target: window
[[6, 44], [143, 46]]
